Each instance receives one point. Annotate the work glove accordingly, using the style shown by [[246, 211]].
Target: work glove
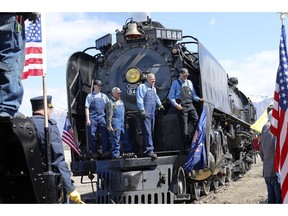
[[162, 108], [143, 114], [75, 197]]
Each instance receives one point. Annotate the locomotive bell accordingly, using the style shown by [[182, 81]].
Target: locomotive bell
[[132, 31]]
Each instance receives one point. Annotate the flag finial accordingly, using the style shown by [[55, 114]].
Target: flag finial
[[282, 16]]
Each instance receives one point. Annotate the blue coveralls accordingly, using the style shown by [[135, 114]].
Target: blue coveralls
[[119, 133], [12, 57], [97, 118], [59, 164], [150, 102]]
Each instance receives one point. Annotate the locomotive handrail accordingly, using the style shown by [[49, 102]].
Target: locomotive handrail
[[189, 36], [182, 44], [88, 49], [196, 66]]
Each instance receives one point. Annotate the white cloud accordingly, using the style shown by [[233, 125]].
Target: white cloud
[[256, 74], [68, 33]]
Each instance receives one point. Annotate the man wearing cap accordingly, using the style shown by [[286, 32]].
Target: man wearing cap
[[57, 152], [95, 117], [116, 126], [181, 96], [147, 101]]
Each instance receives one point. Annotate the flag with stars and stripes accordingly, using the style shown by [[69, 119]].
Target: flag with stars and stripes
[[279, 118], [33, 49], [69, 138]]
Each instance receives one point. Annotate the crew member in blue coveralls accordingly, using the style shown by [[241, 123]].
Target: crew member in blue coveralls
[[12, 58], [147, 101], [181, 96], [115, 117], [59, 164], [95, 117]]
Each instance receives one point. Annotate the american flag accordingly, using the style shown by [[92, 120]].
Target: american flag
[[69, 138], [279, 118], [33, 49]]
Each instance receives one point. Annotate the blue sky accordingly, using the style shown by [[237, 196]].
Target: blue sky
[[245, 43]]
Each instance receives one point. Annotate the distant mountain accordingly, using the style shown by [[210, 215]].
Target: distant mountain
[[261, 103]]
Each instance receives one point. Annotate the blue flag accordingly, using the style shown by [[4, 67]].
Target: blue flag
[[197, 155]]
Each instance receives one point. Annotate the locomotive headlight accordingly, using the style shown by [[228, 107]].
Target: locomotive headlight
[[133, 75]]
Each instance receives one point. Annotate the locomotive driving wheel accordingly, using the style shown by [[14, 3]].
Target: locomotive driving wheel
[[215, 184], [222, 179], [206, 186], [195, 190], [229, 175], [181, 181], [243, 167]]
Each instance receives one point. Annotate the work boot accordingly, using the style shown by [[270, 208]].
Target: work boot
[[132, 155], [152, 155], [129, 155]]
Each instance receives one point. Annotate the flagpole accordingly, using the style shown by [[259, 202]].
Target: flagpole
[[52, 193], [46, 126]]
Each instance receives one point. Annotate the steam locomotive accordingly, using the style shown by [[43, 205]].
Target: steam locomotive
[[148, 47]]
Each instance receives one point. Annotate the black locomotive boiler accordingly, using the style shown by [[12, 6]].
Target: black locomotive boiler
[[149, 47]]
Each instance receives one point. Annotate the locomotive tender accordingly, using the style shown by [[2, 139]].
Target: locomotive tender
[[148, 47]]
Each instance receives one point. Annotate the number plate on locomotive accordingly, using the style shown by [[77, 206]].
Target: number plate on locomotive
[[131, 89]]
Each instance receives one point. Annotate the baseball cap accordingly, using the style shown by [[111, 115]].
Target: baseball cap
[[116, 89], [97, 82], [184, 71]]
